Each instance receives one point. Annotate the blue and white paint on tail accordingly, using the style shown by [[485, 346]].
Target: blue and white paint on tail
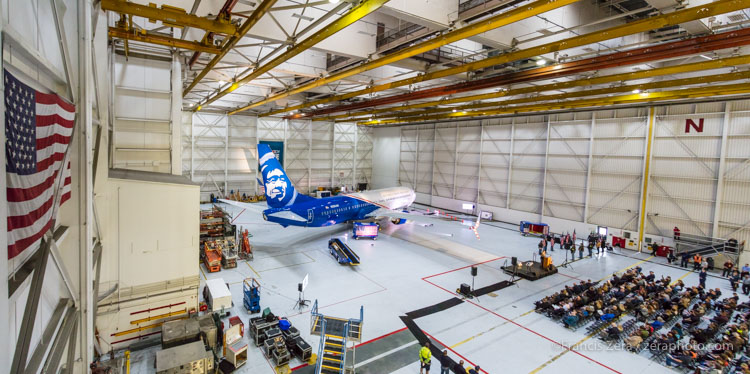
[[278, 187]]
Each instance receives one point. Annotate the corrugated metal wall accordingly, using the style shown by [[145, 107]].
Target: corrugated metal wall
[[219, 152], [588, 166]]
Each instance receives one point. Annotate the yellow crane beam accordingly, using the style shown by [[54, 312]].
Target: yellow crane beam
[[677, 69], [400, 112], [257, 14], [354, 14], [674, 18], [499, 20], [134, 35], [708, 91], [169, 16]]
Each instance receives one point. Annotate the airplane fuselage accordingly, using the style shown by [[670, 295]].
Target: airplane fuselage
[[339, 209]]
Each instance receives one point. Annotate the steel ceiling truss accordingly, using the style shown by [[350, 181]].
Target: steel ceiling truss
[[674, 18]]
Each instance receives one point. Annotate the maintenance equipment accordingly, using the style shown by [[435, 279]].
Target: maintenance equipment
[[217, 295], [251, 295], [531, 228], [235, 348], [335, 355], [246, 250], [367, 230], [191, 358], [342, 253], [179, 332]]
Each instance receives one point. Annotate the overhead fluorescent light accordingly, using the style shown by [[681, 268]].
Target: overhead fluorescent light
[[541, 62], [306, 18], [636, 91]]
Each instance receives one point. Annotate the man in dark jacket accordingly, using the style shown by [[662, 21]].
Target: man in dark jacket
[[445, 363]]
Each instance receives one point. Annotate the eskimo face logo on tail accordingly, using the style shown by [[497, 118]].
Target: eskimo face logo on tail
[[279, 190], [276, 185]]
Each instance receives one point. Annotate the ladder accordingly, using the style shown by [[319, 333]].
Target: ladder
[[335, 353]]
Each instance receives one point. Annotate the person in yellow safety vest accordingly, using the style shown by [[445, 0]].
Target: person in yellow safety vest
[[425, 357]]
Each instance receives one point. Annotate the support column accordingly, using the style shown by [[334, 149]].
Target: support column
[[479, 170], [333, 155], [722, 168], [257, 141], [546, 161], [588, 172], [646, 175], [85, 189], [354, 157], [416, 161], [226, 157], [510, 161], [455, 160], [309, 156], [175, 122]]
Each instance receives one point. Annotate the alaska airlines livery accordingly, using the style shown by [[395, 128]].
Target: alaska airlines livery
[[287, 207]]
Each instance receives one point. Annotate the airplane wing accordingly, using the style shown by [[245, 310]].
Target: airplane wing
[[383, 212], [253, 207]]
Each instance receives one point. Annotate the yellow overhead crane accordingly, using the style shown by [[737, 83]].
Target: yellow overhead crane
[[674, 18]]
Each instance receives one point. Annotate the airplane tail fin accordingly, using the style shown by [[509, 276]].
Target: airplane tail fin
[[278, 187]]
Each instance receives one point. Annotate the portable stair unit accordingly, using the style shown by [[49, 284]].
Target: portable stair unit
[[338, 336]]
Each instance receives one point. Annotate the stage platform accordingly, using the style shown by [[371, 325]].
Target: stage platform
[[530, 270]]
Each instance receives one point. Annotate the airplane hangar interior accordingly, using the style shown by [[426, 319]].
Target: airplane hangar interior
[[375, 186]]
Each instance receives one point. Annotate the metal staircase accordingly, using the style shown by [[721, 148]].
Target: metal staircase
[[708, 247], [335, 353]]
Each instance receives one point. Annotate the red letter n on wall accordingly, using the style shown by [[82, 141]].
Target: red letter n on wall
[[690, 123]]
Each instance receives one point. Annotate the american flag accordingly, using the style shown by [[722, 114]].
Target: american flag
[[38, 128]]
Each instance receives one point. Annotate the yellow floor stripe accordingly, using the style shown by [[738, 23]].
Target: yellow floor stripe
[[532, 311], [204, 274], [682, 277], [251, 268]]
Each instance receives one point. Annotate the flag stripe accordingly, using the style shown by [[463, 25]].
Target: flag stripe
[[24, 242], [44, 98], [16, 195], [53, 118], [51, 140], [19, 181], [45, 131], [28, 219]]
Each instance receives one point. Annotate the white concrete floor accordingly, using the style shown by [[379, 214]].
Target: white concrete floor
[[410, 267]]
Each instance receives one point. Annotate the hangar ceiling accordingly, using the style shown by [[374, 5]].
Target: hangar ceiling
[[336, 60]]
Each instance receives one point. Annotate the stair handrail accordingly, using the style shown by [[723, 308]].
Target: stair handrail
[[344, 348], [321, 346]]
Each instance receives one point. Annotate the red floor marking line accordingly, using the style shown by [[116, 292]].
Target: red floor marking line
[[454, 352], [237, 216], [361, 344], [299, 367], [528, 329], [157, 308], [569, 276], [464, 267]]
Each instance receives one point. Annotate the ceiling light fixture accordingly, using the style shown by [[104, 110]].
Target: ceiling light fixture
[[636, 91], [221, 83], [541, 62], [454, 111]]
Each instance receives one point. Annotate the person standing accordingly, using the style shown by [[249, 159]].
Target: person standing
[[697, 260], [580, 251], [745, 270], [734, 280], [702, 278], [459, 368], [746, 285], [445, 363], [425, 358], [475, 370], [685, 260], [728, 266], [542, 246]]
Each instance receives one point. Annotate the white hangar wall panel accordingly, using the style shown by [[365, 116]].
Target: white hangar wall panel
[[567, 165], [527, 172], [733, 217], [617, 167], [496, 143], [220, 152], [684, 169], [587, 167], [142, 135]]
